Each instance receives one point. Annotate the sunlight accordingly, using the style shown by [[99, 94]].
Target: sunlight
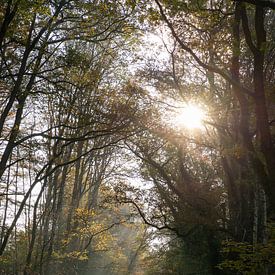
[[191, 116]]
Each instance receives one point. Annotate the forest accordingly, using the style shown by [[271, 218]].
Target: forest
[[137, 137]]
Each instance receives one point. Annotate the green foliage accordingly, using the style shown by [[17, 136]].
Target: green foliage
[[248, 259], [169, 261], [179, 257], [70, 256], [16, 251]]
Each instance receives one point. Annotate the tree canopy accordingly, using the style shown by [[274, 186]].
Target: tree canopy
[[137, 137]]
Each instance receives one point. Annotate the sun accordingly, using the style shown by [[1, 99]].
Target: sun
[[190, 116]]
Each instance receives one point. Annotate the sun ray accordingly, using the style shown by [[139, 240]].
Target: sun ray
[[190, 116]]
